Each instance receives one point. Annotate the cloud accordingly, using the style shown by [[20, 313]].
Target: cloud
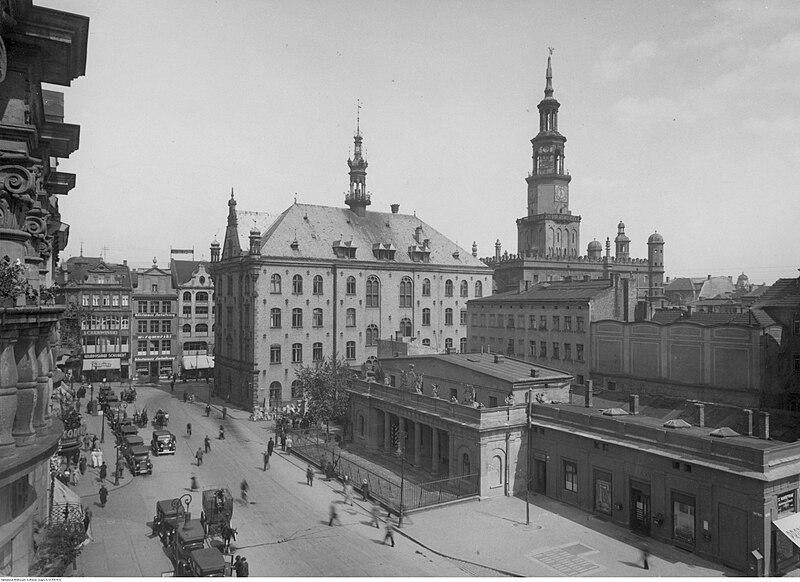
[[784, 126], [616, 61], [640, 112]]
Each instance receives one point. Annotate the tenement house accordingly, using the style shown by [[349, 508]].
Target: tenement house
[[548, 238], [154, 334], [322, 281], [195, 332], [37, 45]]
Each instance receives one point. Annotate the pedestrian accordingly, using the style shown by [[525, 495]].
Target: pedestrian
[[228, 534], [78, 405], [185, 396], [237, 565], [103, 471], [103, 495], [87, 519], [199, 456], [389, 532], [244, 569], [121, 469], [347, 490], [289, 445], [207, 442], [376, 511], [645, 557], [310, 476], [265, 454], [82, 465], [75, 477], [189, 428], [221, 433], [270, 446], [244, 489], [208, 410], [283, 442], [334, 515], [172, 384], [365, 490], [224, 412], [194, 485]]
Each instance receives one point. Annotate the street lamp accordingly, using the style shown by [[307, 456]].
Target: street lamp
[[177, 505], [401, 451], [116, 466]]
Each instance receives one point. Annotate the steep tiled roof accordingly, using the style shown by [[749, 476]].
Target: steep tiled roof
[[76, 268], [784, 292], [182, 270], [317, 228], [680, 284], [247, 219], [552, 291], [754, 317]]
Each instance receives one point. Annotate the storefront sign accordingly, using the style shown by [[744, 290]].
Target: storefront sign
[[104, 364], [161, 315], [786, 502], [155, 336], [100, 356], [155, 359]]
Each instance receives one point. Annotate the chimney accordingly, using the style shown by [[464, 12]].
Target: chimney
[[634, 404], [709, 277], [474, 249], [534, 373], [765, 425], [701, 410], [417, 233], [497, 249], [587, 400], [124, 262], [749, 414], [570, 394], [498, 358], [395, 208]]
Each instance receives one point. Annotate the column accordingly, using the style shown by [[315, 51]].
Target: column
[[44, 383], [8, 393], [25, 354], [417, 439], [451, 441], [434, 450], [387, 429]]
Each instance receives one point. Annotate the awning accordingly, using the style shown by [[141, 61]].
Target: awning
[[63, 494], [197, 362], [101, 364], [790, 526]]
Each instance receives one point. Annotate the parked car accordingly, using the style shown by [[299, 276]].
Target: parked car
[[138, 458], [203, 563], [162, 442], [165, 509], [130, 441], [126, 431]]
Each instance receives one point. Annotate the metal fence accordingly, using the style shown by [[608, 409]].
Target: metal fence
[[382, 487]]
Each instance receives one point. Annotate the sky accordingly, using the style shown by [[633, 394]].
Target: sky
[[680, 117]]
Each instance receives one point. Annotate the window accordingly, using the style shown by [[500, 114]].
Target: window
[[373, 291], [125, 300], [316, 317], [556, 322], [141, 347], [462, 345], [166, 306], [317, 285], [154, 287], [372, 335], [297, 389], [275, 283], [141, 306], [297, 285], [683, 518], [106, 300], [579, 324], [556, 350], [426, 287], [187, 328], [448, 288], [166, 346], [492, 401], [297, 317], [570, 476], [510, 322], [275, 317], [448, 343], [154, 305], [448, 316], [275, 354], [567, 351], [201, 328], [405, 327], [463, 317], [187, 310], [426, 316], [351, 285], [796, 364], [350, 351], [155, 326], [478, 289], [316, 352], [350, 317], [510, 348], [187, 296], [201, 295], [532, 348], [579, 352], [542, 349], [85, 301], [141, 326], [297, 353], [567, 323], [202, 310], [124, 322], [166, 326], [426, 342], [464, 286], [543, 322], [406, 298]]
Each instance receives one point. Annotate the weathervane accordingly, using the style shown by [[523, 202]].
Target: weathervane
[[358, 116], [551, 49]]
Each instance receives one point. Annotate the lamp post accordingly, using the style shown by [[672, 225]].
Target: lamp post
[[401, 451], [177, 505], [116, 466]]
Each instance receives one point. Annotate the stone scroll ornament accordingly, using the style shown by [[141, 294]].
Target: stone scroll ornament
[[17, 184]]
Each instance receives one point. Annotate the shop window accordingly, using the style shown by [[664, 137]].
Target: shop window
[[683, 518], [570, 476]]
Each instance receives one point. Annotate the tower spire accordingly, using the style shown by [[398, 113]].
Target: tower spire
[[357, 198], [548, 88]]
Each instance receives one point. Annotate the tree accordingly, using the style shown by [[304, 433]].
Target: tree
[[325, 388], [58, 546]]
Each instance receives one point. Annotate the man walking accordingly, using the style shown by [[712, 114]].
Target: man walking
[[310, 476], [289, 445], [172, 384], [199, 456], [389, 532], [244, 568], [376, 512], [207, 443], [103, 495], [270, 446], [365, 489], [265, 454], [334, 515], [189, 429], [103, 471], [208, 410]]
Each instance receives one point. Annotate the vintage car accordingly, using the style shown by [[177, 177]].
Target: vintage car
[[133, 440], [128, 394], [162, 443], [161, 418], [126, 430], [138, 458], [206, 562], [165, 509], [217, 510], [109, 402], [185, 537]]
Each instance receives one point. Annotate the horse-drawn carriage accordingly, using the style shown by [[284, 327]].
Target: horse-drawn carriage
[[217, 510], [161, 418], [140, 418], [128, 394]]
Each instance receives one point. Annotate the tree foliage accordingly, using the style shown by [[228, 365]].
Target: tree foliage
[[324, 387], [70, 331], [58, 547]]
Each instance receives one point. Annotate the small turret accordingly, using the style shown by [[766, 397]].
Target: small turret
[[622, 243], [595, 249], [474, 249], [215, 251], [255, 241], [358, 198]]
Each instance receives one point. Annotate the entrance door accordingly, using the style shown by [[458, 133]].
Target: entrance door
[[733, 536], [540, 477], [640, 509]]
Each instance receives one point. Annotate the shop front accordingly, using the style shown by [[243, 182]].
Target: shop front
[[197, 366], [154, 366], [786, 537], [108, 367]]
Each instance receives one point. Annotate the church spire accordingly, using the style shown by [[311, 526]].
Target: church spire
[[548, 88], [358, 198]]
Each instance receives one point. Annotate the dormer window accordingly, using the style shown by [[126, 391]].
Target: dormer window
[[420, 253], [383, 251], [344, 249]]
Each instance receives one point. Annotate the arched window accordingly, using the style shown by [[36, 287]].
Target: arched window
[[187, 296], [426, 316], [373, 291], [406, 287], [316, 317], [201, 296], [426, 342], [350, 351], [463, 345], [464, 289], [297, 285], [201, 328], [317, 286], [275, 283], [361, 424], [448, 288], [297, 389], [448, 343], [187, 328], [405, 327], [448, 316], [316, 352], [275, 317], [275, 394], [426, 287], [351, 285], [297, 353], [297, 317], [350, 317], [478, 289], [465, 465], [372, 335]]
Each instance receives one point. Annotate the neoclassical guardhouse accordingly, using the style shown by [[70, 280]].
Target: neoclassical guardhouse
[[459, 415]]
